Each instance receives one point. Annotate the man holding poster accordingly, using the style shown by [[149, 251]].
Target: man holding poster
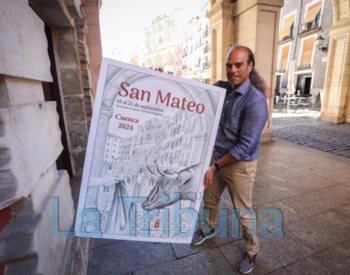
[[236, 149]]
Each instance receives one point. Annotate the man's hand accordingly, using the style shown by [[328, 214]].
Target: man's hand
[[109, 180], [209, 175]]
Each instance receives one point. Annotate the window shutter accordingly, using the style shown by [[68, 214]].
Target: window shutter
[[312, 13], [287, 23], [307, 51], [284, 59]]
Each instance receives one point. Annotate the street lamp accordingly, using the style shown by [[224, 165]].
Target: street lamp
[[319, 42]]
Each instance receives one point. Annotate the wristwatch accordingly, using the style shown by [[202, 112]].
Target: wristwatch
[[217, 166]]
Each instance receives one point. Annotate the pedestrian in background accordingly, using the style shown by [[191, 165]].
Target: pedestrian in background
[[139, 181]]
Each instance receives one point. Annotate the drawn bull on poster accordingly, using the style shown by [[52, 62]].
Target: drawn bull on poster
[[183, 182]]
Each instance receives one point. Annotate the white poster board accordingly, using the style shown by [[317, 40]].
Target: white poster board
[[150, 144]]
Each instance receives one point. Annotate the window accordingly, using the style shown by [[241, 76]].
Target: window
[[288, 26], [312, 17], [284, 58], [308, 47]]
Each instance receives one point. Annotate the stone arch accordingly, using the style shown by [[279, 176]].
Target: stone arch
[[169, 62], [149, 63], [158, 61]]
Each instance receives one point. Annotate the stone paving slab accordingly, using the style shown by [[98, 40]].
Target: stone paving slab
[[289, 214], [279, 175], [272, 164], [320, 201], [305, 159], [343, 210], [95, 242], [272, 156], [304, 170], [275, 253], [334, 261], [339, 175], [209, 262], [322, 231], [307, 184], [262, 180], [126, 256], [280, 271], [272, 193]]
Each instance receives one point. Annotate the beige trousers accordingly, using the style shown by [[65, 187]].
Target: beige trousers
[[239, 178]]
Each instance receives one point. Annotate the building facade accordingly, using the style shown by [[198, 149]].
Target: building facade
[[301, 23], [196, 50], [175, 48], [160, 41]]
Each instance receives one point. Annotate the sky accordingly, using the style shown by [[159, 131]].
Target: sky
[[122, 22]]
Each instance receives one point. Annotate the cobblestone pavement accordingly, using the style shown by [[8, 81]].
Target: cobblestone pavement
[[307, 131]]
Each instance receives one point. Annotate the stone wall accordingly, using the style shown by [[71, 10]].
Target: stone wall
[[91, 8], [30, 135], [30, 144], [336, 107], [69, 75]]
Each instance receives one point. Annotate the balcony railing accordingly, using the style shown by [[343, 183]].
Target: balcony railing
[[281, 70], [285, 39], [303, 67], [206, 49], [309, 28], [206, 65]]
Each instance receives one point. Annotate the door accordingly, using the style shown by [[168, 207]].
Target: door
[[278, 85], [304, 84], [307, 85]]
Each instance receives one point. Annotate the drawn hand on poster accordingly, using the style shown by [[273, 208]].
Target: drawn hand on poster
[[107, 180]]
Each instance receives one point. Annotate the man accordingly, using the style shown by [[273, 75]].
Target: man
[[139, 183], [236, 148]]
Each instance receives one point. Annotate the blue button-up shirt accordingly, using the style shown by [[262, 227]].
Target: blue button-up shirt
[[243, 118]]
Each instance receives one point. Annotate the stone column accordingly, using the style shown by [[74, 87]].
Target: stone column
[[256, 26], [253, 23], [335, 107], [72, 94], [91, 8], [220, 19]]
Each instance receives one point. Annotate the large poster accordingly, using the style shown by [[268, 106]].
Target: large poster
[[150, 144]]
